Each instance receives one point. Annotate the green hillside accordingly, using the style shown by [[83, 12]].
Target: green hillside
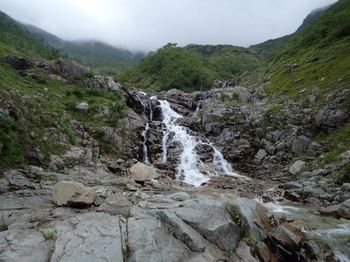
[[191, 68], [319, 56], [16, 40], [270, 48], [38, 106]]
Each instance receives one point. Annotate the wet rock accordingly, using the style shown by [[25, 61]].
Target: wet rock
[[289, 237], [250, 215], [341, 210], [292, 196], [88, 237], [264, 252], [297, 168], [141, 172], [116, 204], [243, 254], [70, 193], [83, 107]]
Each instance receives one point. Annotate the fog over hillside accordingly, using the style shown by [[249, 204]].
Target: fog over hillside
[[147, 25]]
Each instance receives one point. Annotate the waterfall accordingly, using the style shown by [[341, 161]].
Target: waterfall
[[145, 151], [190, 167], [144, 132]]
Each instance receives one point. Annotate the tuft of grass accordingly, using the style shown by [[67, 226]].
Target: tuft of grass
[[3, 227], [50, 234]]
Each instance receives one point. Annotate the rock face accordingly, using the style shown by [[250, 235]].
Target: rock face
[[69, 193], [141, 172], [71, 70]]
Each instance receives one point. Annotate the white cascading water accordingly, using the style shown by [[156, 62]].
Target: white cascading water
[[190, 167], [145, 151]]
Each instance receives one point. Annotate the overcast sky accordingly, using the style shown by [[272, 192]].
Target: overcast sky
[[149, 24]]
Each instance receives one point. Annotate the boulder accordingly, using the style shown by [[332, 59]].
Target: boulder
[[288, 237], [345, 155], [71, 70], [83, 107], [56, 163], [341, 210], [70, 193], [141, 172], [76, 155], [260, 155], [300, 145], [330, 118], [297, 168]]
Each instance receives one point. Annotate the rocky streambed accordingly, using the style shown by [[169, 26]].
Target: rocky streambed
[[220, 181]]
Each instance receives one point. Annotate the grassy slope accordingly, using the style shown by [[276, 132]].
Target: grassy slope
[[15, 40], [190, 68], [42, 103], [321, 55]]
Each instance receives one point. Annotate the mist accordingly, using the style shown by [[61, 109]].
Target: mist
[[147, 25]]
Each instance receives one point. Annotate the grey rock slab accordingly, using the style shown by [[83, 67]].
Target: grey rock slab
[[17, 180], [89, 237], [19, 245], [181, 231], [210, 218], [250, 215]]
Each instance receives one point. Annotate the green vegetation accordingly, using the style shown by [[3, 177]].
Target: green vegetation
[[50, 234], [15, 40], [335, 143], [48, 105], [3, 227], [191, 68], [319, 56]]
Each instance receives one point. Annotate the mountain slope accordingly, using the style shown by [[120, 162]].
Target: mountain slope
[[318, 56], [16, 40], [97, 55], [268, 48]]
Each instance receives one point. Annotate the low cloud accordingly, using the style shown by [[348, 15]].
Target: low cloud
[[147, 25]]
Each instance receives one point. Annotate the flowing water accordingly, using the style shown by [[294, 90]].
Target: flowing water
[[190, 168], [321, 229]]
